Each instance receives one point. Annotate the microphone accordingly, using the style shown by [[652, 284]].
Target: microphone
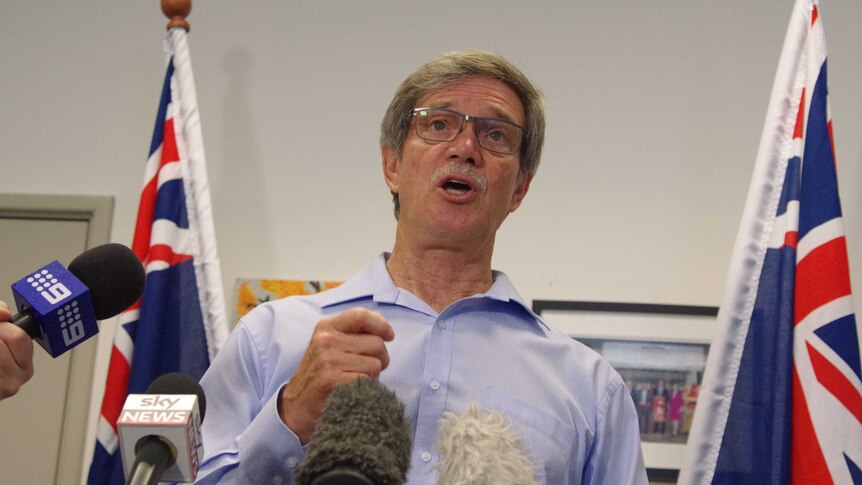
[[479, 447], [160, 431], [362, 438], [58, 307]]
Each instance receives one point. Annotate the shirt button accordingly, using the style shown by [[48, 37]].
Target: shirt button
[[442, 325], [291, 462], [276, 480], [426, 457], [435, 385]]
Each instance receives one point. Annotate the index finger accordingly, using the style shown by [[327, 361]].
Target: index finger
[[5, 314], [362, 320]]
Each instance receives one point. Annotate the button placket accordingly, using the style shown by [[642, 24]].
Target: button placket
[[432, 400]]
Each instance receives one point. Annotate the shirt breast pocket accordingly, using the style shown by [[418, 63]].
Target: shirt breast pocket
[[549, 443]]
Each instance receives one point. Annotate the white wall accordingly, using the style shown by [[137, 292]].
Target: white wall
[[654, 116]]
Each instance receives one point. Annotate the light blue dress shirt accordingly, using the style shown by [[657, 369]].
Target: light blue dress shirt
[[572, 409]]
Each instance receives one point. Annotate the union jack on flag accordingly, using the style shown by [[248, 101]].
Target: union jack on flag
[[179, 323], [781, 400]]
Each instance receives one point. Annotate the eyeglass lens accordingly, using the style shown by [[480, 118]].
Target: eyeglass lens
[[444, 125]]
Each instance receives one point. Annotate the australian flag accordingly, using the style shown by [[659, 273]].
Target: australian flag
[[781, 400], [179, 323]]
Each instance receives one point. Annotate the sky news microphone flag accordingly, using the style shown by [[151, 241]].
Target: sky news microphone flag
[[179, 323], [781, 400]]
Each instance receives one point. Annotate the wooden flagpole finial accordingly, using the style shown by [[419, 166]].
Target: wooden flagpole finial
[[177, 11]]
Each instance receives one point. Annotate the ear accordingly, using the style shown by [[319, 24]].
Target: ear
[[390, 167], [523, 185]]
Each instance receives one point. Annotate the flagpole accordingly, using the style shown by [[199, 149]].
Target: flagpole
[[177, 11], [207, 265]]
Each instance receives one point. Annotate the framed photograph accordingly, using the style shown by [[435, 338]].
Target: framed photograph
[[660, 351]]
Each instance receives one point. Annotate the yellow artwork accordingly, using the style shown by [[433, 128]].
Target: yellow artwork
[[251, 293]]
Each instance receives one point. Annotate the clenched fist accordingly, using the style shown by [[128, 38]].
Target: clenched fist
[[342, 348]]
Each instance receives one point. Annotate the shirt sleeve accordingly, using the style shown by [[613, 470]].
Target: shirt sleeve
[[616, 455], [244, 439]]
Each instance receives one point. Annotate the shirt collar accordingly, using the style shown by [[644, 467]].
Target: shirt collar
[[374, 281]]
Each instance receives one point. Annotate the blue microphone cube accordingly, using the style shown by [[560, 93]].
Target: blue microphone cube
[[61, 305]]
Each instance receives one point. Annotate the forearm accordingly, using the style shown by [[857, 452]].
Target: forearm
[[245, 440], [266, 452]]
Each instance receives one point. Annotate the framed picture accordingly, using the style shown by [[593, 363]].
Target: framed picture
[[252, 292], [660, 351]]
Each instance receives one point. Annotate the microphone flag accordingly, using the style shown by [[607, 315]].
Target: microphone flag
[[781, 400], [62, 303], [174, 417], [179, 323]]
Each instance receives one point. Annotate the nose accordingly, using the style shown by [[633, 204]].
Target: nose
[[465, 146]]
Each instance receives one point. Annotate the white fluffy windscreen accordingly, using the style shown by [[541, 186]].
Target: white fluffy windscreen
[[479, 447]]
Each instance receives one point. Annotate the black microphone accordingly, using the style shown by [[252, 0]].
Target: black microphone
[[362, 438], [160, 431], [58, 307]]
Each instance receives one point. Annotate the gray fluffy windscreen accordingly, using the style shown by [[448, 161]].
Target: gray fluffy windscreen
[[362, 428]]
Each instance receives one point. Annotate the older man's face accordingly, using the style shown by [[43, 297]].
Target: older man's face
[[458, 190]]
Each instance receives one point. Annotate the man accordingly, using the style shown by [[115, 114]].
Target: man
[[16, 355], [460, 143], [644, 407]]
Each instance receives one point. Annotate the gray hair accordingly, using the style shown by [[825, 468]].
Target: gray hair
[[448, 69]]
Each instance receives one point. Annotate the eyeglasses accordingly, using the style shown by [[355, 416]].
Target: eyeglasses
[[439, 124]]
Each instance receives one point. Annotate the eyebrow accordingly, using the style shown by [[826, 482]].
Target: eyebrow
[[497, 112]]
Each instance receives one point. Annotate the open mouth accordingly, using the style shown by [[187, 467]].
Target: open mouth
[[460, 182], [456, 186]]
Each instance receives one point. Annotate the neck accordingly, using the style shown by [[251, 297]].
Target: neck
[[440, 275]]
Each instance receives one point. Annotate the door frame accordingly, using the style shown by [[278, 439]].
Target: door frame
[[97, 211]]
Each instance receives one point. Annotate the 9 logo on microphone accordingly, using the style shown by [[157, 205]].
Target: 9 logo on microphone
[[47, 285]]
